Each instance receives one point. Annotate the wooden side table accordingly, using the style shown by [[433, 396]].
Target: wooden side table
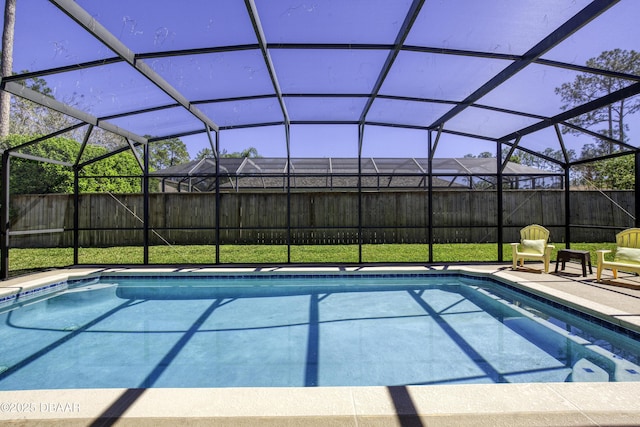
[[584, 257]]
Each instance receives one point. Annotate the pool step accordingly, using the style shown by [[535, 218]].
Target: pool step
[[586, 371]]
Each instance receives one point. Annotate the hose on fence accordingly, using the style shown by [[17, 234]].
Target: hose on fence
[[141, 221], [593, 185]]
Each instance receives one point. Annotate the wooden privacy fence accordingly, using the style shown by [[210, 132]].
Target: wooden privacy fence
[[315, 217]]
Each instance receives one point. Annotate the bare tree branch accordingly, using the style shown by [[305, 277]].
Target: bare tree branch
[[7, 64]]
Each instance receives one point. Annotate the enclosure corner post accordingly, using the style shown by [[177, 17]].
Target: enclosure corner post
[[4, 218]]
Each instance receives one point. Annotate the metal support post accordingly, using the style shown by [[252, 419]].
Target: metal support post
[[429, 179], [567, 208], [4, 218], [287, 130], [636, 190], [500, 202], [218, 198], [145, 208], [360, 139], [76, 215]]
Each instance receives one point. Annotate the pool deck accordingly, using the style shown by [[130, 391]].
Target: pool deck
[[550, 404]]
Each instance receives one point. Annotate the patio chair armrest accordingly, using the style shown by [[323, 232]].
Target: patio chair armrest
[[600, 254], [514, 253]]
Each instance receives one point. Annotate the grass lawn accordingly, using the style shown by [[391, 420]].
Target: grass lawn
[[22, 261]]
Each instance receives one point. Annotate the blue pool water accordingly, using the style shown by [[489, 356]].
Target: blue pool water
[[301, 331]]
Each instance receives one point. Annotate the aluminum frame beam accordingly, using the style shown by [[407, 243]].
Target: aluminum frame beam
[[410, 18], [257, 27], [579, 20], [84, 19], [46, 101], [603, 101]]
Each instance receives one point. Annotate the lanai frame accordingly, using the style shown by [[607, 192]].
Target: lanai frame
[[433, 132]]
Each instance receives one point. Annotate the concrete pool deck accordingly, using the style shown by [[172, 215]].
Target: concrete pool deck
[[549, 404]]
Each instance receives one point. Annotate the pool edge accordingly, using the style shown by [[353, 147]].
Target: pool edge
[[490, 404]]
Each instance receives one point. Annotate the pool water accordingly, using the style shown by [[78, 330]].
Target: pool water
[[301, 331]]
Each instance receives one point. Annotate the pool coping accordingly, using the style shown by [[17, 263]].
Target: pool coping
[[486, 404], [489, 404]]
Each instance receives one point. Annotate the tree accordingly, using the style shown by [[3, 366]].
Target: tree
[[204, 153], [33, 177], [483, 155], [588, 86], [616, 173], [29, 118], [250, 152], [167, 153], [247, 152], [7, 64]]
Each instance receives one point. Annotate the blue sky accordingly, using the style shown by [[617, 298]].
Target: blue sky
[[45, 39]]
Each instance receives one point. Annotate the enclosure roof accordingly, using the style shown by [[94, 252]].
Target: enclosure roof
[[486, 70], [343, 166]]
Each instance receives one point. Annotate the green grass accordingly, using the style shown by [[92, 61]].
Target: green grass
[[23, 261]]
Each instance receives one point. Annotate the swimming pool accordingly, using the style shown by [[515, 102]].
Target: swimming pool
[[277, 330]]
